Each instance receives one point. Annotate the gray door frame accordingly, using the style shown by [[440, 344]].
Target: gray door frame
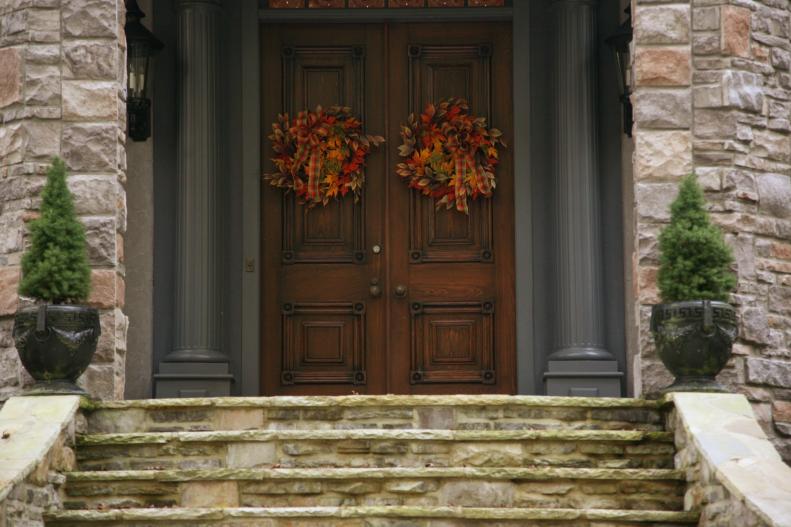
[[252, 16]]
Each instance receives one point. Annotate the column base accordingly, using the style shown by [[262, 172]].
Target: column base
[[192, 379], [583, 378]]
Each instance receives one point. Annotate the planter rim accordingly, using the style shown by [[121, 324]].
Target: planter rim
[[56, 307], [717, 303]]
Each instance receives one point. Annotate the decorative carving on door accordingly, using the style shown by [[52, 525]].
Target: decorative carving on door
[[452, 342], [323, 343]]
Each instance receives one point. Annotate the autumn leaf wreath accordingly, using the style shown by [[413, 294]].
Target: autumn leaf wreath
[[450, 155], [321, 154]]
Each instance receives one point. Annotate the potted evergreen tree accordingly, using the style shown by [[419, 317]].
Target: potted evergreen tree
[[694, 327], [56, 338]]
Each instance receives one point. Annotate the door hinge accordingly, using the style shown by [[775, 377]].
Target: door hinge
[[249, 265]]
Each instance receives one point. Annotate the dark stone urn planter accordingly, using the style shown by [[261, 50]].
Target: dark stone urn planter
[[694, 341], [56, 344]]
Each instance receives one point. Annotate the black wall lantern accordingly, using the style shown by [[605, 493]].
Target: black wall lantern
[[141, 45], [619, 42]]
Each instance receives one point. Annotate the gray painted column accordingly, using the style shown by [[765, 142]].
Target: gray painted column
[[579, 347], [196, 366]]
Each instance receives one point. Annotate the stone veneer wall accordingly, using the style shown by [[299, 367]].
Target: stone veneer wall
[[713, 95], [62, 90]]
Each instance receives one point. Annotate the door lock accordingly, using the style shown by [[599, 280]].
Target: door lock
[[376, 249], [375, 290]]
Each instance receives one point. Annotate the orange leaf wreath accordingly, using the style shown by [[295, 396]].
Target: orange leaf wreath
[[320, 154], [450, 155]]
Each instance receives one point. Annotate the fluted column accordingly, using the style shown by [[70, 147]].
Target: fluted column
[[196, 334], [196, 331], [579, 313]]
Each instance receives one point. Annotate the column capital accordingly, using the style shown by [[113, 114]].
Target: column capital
[[205, 4]]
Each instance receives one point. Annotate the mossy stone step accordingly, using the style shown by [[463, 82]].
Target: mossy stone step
[[485, 412], [319, 401], [376, 448], [381, 516], [482, 487], [373, 434], [540, 473]]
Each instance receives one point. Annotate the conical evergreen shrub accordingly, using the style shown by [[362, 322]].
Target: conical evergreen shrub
[[695, 261], [55, 267]]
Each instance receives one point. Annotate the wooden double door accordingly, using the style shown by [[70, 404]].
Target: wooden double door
[[387, 295]]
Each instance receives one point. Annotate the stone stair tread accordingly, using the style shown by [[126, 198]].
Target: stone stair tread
[[466, 513], [373, 434], [379, 400], [259, 474]]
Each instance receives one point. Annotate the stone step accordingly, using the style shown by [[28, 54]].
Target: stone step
[[376, 448], [578, 488], [373, 517], [458, 412]]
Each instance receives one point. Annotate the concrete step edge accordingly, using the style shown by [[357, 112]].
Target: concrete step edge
[[372, 434], [379, 400], [258, 474], [469, 513]]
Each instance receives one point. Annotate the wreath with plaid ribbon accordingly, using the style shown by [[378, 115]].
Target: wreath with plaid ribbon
[[320, 155], [450, 155]]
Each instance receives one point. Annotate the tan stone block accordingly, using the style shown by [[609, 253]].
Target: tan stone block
[[662, 24], [735, 31], [9, 282], [662, 67], [105, 348], [653, 200], [781, 411], [209, 494], [102, 288], [662, 154], [121, 329], [120, 291], [42, 85], [781, 250], [119, 247], [99, 381], [91, 147], [94, 195], [663, 109], [10, 77], [89, 100], [12, 144], [90, 59], [90, 18], [250, 455], [239, 419], [101, 237], [649, 293], [484, 455]]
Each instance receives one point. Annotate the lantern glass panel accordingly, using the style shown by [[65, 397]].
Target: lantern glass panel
[[138, 71]]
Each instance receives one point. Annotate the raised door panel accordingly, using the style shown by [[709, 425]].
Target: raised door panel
[[452, 342], [323, 343], [436, 73], [323, 76]]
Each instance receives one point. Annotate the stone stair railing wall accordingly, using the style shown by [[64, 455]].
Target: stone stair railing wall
[[36, 451], [734, 474]]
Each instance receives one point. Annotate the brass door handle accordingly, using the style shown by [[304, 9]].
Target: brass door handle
[[400, 291]]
